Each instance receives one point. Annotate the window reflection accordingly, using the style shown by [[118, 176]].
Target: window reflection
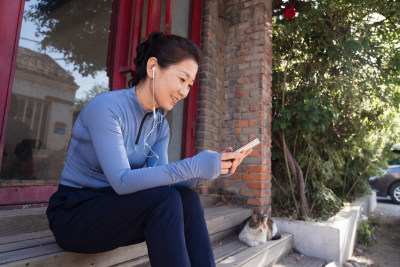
[[61, 64]]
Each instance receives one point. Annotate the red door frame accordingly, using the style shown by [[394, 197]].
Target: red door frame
[[11, 13], [190, 114]]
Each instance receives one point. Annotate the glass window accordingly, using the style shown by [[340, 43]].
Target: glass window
[[180, 26], [61, 64]]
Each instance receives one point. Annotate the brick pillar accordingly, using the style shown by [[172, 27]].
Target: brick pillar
[[211, 88], [237, 38]]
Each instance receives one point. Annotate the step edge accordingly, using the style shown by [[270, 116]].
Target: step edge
[[286, 237]]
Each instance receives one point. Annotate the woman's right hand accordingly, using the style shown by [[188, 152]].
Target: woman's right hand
[[227, 159], [207, 166]]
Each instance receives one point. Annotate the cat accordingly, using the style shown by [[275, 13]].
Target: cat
[[258, 229]]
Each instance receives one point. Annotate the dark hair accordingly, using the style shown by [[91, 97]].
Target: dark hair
[[167, 49]]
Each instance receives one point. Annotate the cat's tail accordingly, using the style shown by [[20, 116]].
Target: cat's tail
[[276, 236]]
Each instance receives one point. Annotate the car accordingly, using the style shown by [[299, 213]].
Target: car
[[388, 185]]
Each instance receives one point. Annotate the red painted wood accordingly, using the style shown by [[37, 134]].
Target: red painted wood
[[111, 41], [135, 34], [189, 121], [119, 51], [18, 195], [153, 16], [168, 17], [11, 13]]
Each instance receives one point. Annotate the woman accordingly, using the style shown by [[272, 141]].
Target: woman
[[117, 187]]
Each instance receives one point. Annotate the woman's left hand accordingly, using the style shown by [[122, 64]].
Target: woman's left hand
[[236, 162]]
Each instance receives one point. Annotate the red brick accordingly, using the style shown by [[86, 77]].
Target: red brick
[[256, 201], [256, 153], [254, 107], [235, 176], [254, 177], [227, 183], [253, 193], [262, 169], [240, 94], [252, 123], [241, 124], [244, 51], [239, 184], [258, 185], [242, 168]]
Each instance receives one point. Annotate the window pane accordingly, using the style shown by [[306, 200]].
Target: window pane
[[180, 25], [61, 64]]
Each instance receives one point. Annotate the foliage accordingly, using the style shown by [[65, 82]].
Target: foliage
[[366, 230], [80, 102], [336, 95], [77, 29]]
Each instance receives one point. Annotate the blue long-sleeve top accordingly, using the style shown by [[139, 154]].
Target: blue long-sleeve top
[[107, 148]]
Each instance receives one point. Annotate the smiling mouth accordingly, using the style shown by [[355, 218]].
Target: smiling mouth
[[174, 100]]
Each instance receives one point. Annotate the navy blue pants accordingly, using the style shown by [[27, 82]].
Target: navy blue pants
[[170, 220]]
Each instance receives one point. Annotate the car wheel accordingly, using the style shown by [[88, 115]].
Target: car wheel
[[395, 192]]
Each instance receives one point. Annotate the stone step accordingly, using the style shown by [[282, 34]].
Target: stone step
[[299, 260], [236, 253], [232, 252], [20, 221], [40, 249], [221, 220]]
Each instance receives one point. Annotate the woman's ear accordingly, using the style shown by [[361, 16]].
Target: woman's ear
[[151, 68]]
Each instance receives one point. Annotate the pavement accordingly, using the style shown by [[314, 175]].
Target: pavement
[[386, 251]]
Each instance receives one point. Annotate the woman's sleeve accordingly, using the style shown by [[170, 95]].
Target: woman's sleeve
[[195, 182], [105, 130]]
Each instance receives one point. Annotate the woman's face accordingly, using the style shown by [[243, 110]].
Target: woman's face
[[173, 83]]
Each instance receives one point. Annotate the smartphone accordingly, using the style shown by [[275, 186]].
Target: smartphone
[[249, 145]]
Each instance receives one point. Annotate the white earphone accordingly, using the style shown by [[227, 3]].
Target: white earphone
[[154, 109], [154, 154]]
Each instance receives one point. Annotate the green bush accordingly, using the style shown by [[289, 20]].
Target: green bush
[[336, 95]]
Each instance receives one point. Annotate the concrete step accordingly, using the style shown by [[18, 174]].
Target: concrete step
[[299, 260], [232, 252], [40, 249], [20, 221], [236, 253], [221, 221]]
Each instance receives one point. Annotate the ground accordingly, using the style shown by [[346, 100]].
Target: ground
[[386, 251]]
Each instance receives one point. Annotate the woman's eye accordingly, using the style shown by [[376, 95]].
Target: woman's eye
[[182, 80]]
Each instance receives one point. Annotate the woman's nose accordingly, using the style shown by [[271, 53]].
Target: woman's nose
[[184, 91]]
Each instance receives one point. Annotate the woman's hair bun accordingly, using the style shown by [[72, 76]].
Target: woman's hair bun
[[143, 47], [167, 49]]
